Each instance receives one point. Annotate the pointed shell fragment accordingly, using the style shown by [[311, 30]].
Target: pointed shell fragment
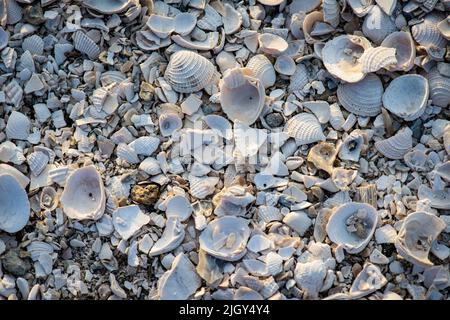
[[127, 220], [171, 238]]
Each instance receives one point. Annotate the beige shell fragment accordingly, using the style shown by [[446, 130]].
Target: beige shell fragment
[[369, 280], [322, 155], [396, 146], [305, 128]]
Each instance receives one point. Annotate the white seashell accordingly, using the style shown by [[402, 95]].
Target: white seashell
[[19, 176], [211, 19], [226, 238], [374, 59], [219, 125], [439, 88], [48, 200], [26, 61], [14, 204], [226, 60], [298, 221], [314, 28], [178, 207], [258, 243], [262, 69], [59, 175], [37, 161], [128, 220], [84, 195], [414, 240], [127, 153], [189, 72], [232, 19], [369, 280], [427, 34], [147, 40], [336, 117], [341, 57], [150, 166], [210, 42], [342, 178], [9, 57], [322, 155], [245, 293], [407, 96], [184, 23], [18, 126], [241, 95], [331, 12], [232, 200], [171, 238], [444, 28], [443, 170], [405, 50], [169, 122], [9, 152], [272, 44], [160, 25], [248, 140], [34, 44], [378, 25], [201, 187], [145, 145], [274, 263], [285, 65], [321, 110], [14, 93], [396, 146], [360, 7], [351, 146], [270, 2], [299, 79], [305, 128], [362, 98], [86, 45], [60, 52], [108, 7], [387, 6], [58, 119], [34, 84], [352, 225], [439, 199], [310, 276]]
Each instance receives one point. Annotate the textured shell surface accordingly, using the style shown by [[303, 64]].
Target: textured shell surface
[[378, 25], [201, 187], [305, 128], [427, 34], [128, 220], [407, 96], [171, 238], [310, 276], [34, 44], [18, 126], [331, 12], [322, 155], [351, 146], [405, 50], [374, 59], [84, 195], [14, 204], [4, 37], [361, 7], [262, 69], [439, 199], [439, 88], [108, 7], [150, 166], [352, 225], [369, 280], [299, 79], [37, 161], [49, 199], [26, 61], [416, 160], [189, 72], [14, 93], [9, 57], [13, 11], [169, 122], [145, 145], [362, 98], [86, 45], [396, 146]]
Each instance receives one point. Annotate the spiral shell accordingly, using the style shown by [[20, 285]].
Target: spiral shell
[[34, 44], [378, 25], [189, 72], [427, 34], [86, 45], [305, 128], [396, 146], [262, 69], [405, 48], [362, 98], [374, 59], [439, 88]]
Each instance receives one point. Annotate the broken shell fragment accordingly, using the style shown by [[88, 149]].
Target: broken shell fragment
[[396, 146], [178, 207], [14, 204], [48, 200], [305, 128], [369, 280], [108, 7], [405, 50], [374, 59], [127, 220], [171, 238], [322, 155], [439, 88]]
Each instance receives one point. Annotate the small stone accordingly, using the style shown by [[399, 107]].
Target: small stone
[[396, 267], [274, 120], [145, 194], [14, 264]]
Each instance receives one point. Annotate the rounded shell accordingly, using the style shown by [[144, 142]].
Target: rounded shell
[[405, 50], [14, 204], [439, 88], [374, 59], [396, 146], [272, 44], [305, 128], [18, 126], [378, 25], [262, 69]]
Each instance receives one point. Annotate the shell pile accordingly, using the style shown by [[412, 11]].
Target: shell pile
[[216, 149]]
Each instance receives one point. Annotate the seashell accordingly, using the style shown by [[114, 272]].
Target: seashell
[[84, 195], [232, 201], [37, 161], [219, 125], [416, 235], [127, 153], [443, 170], [439, 88], [178, 207], [387, 6], [321, 109], [272, 44], [352, 225], [150, 166], [322, 155], [248, 140], [145, 145], [351, 146], [262, 69], [13, 12], [285, 65], [446, 139], [416, 160], [169, 122], [201, 187], [210, 42], [374, 59], [189, 72], [309, 276], [369, 280], [444, 28], [34, 84], [128, 220], [19, 176], [109, 77], [299, 79], [367, 194], [147, 40], [184, 23], [226, 60], [378, 25], [304, 6], [241, 95], [108, 7], [171, 238], [48, 200], [160, 25], [26, 61], [342, 178], [86, 45], [305, 128], [396, 146], [298, 221], [9, 56], [406, 96], [341, 57], [427, 34], [226, 238], [18, 126], [232, 19], [314, 28], [405, 50], [439, 199], [33, 44], [14, 204], [362, 98], [360, 7], [270, 2], [211, 19], [331, 12], [59, 175], [244, 293], [14, 93]]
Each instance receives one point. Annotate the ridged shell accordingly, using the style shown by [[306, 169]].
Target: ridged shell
[[201, 187], [145, 145], [14, 93], [34, 44], [439, 199], [185, 22], [405, 48], [128, 219], [396, 146], [107, 7], [14, 204], [26, 61], [407, 96], [59, 175], [86, 45], [127, 153], [299, 79], [378, 25], [427, 34], [150, 166], [189, 72], [362, 98], [374, 59], [18, 126], [331, 12], [262, 69], [305, 128], [37, 161], [9, 57], [439, 88], [109, 77], [14, 11]]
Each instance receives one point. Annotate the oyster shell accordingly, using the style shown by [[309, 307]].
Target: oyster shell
[[305, 128], [14, 204], [171, 238], [178, 207], [438, 199], [160, 25], [331, 12], [272, 44], [127, 220], [322, 155], [49, 199], [396, 146], [352, 146]]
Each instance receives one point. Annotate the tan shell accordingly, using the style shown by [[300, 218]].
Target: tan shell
[[396, 146], [439, 88], [374, 59], [262, 69], [369, 280], [378, 25], [305, 128], [322, 155], [405, 48]]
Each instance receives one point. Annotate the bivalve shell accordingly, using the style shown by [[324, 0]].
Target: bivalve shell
[[396, 146], [272, 44], [262, 69], [439, 88], [305, 128], [378, 25], [374, 59], [108, 7], [427, 34], [18, 126], [86, 45], [405, 50], [14, 204]]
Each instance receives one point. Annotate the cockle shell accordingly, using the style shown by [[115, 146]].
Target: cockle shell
[[374, 59], [405, 50], [439, 88], [145, 145], [322, 155], [439, 199], [108, 7], [362, 98], [162, 26], [415, 238], [18, 126], [26, 61], [241, 95], [351, 146], [378, 25], [49, 199], [341, 57], [189, 72], [396, 146], [211, 19], [84, 195], [369, 280], [262, 69], [226, 238], [14, 204], [272, 44], [127, 153], [10, 12], [171, 238], [427, 34], [352, 225], [406, 96], [305, 128], [129, 219], [86, 45], [331, 12], [33, 44]]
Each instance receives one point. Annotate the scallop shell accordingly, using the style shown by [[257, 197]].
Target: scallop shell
[[201, 187], [414, 240], [189, 72], [18, 126], [374, 59], [128, 220], [369, 280], [37, 161], [262, 69], [226, 238], [378, 25], [127, 153], [396, 146], [305, 128], [241, 95], [171, 238], [439, 88], [405, 50], [232, 19], [84, 195], [352, 225], [14, 204], [427, 34], [285, 65], [14, 93], [299, 79], [162, 26], [169, 122], [407, 96], [331, 12], [272, 44], [48, 200], [86, 45], [322, 155], [362, 98], [108, 7], [341, 57], [34, 44], [439, 199]]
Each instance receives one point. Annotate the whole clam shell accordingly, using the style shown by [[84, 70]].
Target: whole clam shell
[[14, 204]]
